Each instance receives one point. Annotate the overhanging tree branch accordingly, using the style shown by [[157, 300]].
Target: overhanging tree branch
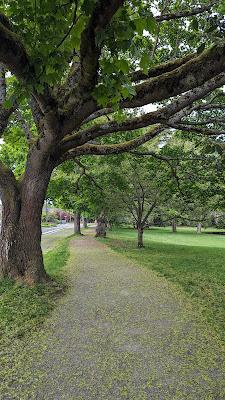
[[197, 129], [188, 76], [185, 13], [176, 108], [113, 148], [160, 69]]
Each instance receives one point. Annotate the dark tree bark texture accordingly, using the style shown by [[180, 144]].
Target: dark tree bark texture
[[100, 230], [174, 225], [77, 223], [20, 242], [140, 243]]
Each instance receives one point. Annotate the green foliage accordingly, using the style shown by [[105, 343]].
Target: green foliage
[[51, 32], [194, 263], [13, 152]]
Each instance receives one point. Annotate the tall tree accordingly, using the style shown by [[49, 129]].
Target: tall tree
[[71, 62]]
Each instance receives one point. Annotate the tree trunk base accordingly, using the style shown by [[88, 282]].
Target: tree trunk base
[[140, 243], [26, 279], [100, 228], [103, 235]]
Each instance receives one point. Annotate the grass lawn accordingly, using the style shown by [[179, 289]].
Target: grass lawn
[[194, 262], [48, 224], [23, 308]]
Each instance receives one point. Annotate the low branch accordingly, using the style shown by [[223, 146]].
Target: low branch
[[165, 158], [162, 115], [112, 148], [206, 122], [149, 211], [160, 69], [97, 114], [197, 129], [185, 13], [209, 106]]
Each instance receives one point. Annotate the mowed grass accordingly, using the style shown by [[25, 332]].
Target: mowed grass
[[194, 262], [23, 308]]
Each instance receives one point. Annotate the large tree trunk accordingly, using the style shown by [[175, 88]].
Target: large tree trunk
[[85, 223], [20, 242], [199, 228], [174, 225], [101, 227], [140, 243], [77, 223]]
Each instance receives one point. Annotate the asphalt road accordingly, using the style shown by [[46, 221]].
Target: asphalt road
[[51, 236], [56, 229]]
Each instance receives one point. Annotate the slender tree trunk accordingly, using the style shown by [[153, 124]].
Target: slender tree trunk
[[46, 210], [109, 225], [140, 243], [199, 228], [174, 225], [20, 242], [77, 223], [101, 227], [85, 223]]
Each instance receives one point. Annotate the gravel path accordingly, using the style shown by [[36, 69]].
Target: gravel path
[[121, 332]]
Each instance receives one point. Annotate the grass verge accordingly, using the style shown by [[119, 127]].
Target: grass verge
[[48, 224], [24, 308], [198, 267]]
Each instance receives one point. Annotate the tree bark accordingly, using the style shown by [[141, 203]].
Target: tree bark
[[140, 243], [109, 225], [85, 223], [199, 228], [174, 225], [20, 242], [101, 227], [77, 223]]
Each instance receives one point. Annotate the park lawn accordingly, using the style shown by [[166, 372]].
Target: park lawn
[[23, 308], [194, 262]]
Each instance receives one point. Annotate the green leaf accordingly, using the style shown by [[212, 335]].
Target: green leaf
[[130, 88], [194, 24], [151, 25], [123, 66], [140, 25], [145, 62], [8, 103], [49, 70]]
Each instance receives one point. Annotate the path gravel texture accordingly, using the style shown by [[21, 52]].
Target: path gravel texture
[[121, 332]]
